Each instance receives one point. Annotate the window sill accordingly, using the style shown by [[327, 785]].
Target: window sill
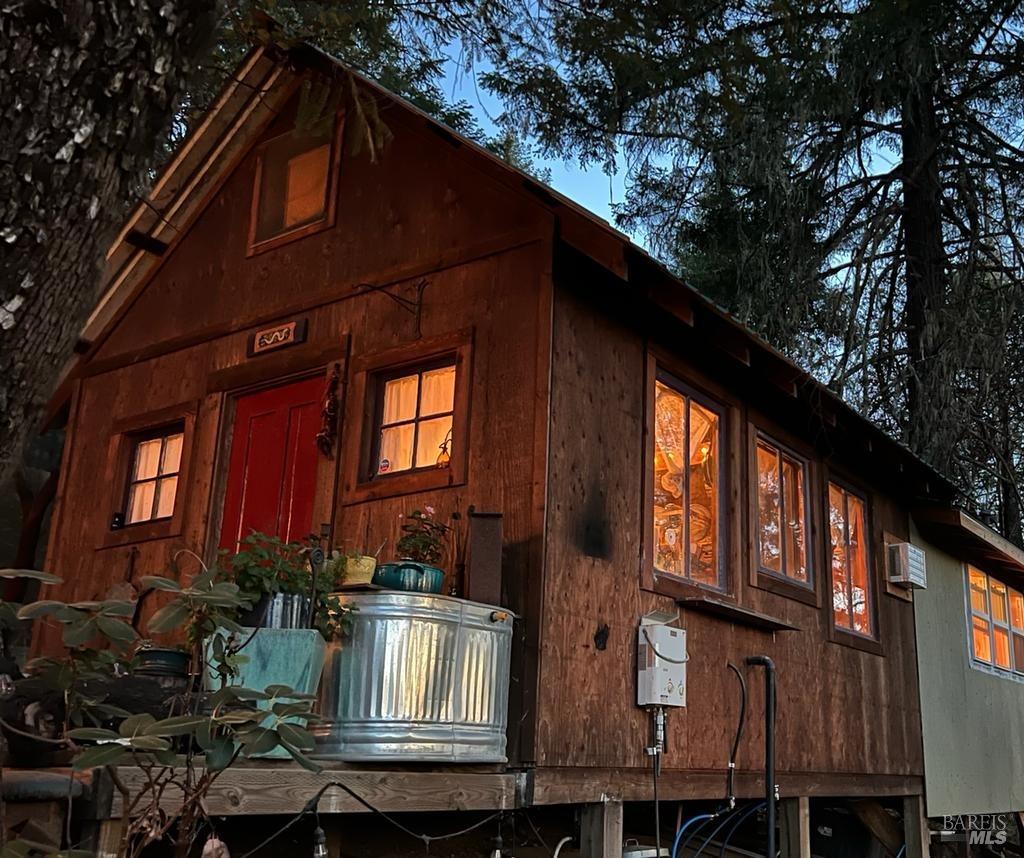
[[855, 641], [789, 589], [133, 533], [282, 238], [402, 484], [681, 588], [735, 614], [999, 672]]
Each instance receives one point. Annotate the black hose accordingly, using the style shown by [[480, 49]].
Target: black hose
[[769, 743], [730, 777]]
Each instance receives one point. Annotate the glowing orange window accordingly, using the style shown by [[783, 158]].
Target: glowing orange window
[[852, 594]]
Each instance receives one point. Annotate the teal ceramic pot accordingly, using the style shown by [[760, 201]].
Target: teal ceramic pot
[[409, 576]]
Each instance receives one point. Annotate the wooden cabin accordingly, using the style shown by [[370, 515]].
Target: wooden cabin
[[645, 451]]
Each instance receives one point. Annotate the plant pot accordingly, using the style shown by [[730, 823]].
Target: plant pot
[[254, 616], [162, 661], [410, 576], [292, 657], [278, 611], [359, 570]]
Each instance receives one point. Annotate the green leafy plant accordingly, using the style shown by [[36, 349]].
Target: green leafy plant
[[215, 728], [424, 539], [269, 565]]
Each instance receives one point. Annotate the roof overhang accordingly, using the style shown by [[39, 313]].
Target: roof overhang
[[969, 540]]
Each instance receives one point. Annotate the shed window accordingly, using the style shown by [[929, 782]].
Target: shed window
[[153, 475], [687, 483], [415, 415], [292, 183], [782, 512], [851, 576], [997, 622]]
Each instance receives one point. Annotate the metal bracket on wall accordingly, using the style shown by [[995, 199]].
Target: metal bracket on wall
[[412, 306]]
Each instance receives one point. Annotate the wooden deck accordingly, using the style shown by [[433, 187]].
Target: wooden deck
[[271, 787]]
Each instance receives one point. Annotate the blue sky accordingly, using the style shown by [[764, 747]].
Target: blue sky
[[590, 188]]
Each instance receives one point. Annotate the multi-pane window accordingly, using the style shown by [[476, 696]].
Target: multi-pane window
[[851, 577], [153, 475], [687, 484], [782, 513], [292, 184], [414, 419], [997, 621]]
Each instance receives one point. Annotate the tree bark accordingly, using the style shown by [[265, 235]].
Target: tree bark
[[925, 273], [87, 91]]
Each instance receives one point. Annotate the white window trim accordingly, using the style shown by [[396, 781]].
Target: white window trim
[[1014, 673]]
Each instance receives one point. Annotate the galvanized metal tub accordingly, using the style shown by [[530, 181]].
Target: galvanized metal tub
[[418, 678]]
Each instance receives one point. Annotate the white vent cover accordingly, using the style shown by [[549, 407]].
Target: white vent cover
[[907, 565]]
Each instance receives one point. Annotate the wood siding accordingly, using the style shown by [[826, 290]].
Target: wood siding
[[840, 710], [482, 253]]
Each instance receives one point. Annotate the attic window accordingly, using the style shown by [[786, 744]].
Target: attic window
[[294, 187]]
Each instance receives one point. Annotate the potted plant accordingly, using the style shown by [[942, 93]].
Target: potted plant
[[421, 547], [353, 567], [272, 571]]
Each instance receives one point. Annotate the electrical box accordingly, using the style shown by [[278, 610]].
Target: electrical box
[[661, 665], [907, 565]]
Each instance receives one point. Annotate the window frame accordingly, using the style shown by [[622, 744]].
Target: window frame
[[768, 579], [125, 436], [254, 245], [361, 482], [137, 440], [1014, 671], [840, 634], [379, 383], [663, 367]]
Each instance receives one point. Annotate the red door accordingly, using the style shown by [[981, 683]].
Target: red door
[[272, 472]]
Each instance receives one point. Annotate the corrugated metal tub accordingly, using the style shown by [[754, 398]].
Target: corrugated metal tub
[[420, 677]]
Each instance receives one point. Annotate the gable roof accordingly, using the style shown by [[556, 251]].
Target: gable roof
[[261, 87]]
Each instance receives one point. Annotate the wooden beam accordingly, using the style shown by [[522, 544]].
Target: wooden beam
[[283, 788], [880, 823], [916, 834], [795, 821], [601, 830], [585, 785]]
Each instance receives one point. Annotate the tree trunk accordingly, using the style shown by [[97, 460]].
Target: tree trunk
[[926, 274], [87, 91], [927, 389], [1009, 500]]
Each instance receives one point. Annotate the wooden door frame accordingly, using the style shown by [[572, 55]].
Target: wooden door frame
[[234, 382]]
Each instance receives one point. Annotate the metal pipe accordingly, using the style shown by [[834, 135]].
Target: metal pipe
[[769, 743]]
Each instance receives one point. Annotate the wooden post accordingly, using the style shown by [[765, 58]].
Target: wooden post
[[795, 821], [333, 832], [915, 827], [108, 841], [601, 830]]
